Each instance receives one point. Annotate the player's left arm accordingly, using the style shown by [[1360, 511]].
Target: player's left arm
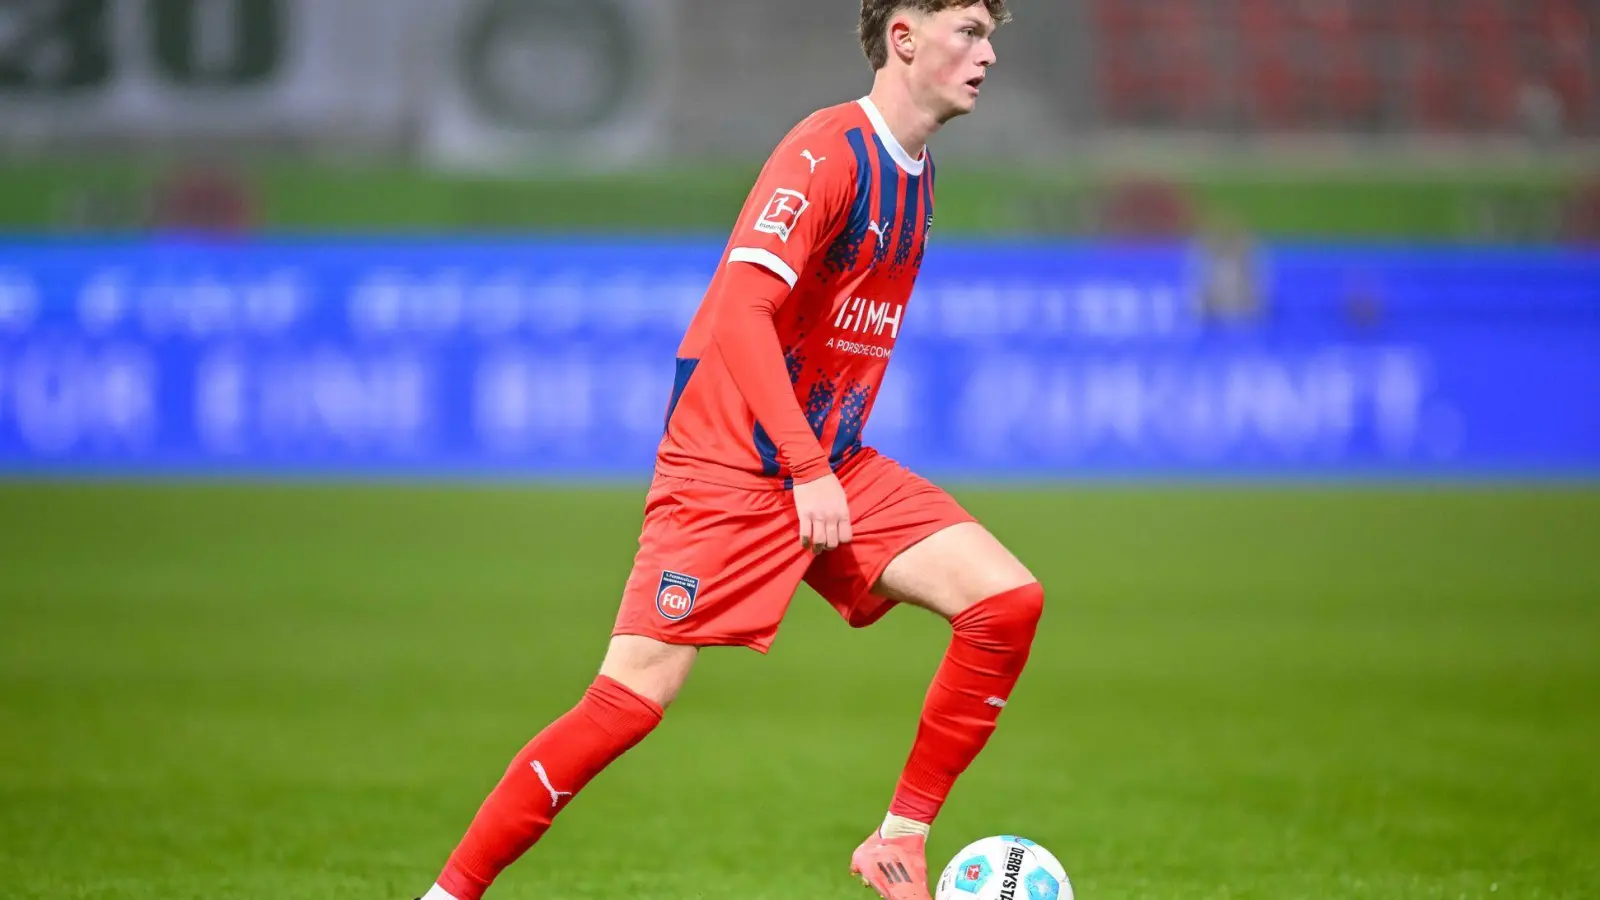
[[801, 199], [747, 340], [804, 209]]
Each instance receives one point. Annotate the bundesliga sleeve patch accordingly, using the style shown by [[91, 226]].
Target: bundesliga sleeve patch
[[782, 212], [675, 595]]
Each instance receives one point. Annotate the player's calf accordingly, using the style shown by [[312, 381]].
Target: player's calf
[[989, 647], [639, 678]]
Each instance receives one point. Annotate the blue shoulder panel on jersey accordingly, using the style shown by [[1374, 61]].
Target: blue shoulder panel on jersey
[[888, 199], [927, 211], [908, 222], [846, 248]]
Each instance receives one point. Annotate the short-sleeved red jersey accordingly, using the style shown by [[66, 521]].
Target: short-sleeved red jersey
[[841, 212]]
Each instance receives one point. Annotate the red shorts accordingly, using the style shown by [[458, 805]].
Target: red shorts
[[719, 565]]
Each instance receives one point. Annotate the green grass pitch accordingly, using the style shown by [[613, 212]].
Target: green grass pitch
[[294, 692]]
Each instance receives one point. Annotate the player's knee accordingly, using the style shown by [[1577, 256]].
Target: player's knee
[[1004, 622], [1020, 611]]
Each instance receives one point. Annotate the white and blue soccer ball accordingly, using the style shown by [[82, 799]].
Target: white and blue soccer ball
[[1004, 867]]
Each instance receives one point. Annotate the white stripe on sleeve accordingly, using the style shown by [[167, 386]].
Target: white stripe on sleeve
[[766, 259]]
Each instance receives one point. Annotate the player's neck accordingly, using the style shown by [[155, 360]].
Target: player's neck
[[911, 125]]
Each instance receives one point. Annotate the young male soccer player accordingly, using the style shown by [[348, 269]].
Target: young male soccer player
[[762, 481]]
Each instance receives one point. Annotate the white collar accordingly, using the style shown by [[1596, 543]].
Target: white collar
[[901, 157]]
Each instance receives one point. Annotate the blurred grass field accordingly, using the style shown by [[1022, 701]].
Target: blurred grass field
[[296, 692]]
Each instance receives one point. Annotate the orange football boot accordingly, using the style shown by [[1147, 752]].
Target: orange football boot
[[897, 868]]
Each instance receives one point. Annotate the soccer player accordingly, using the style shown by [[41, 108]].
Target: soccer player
[[761, 479]]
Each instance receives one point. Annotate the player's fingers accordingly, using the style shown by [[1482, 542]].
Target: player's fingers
[[846, 533], [805, 530], [830, 535], [819, 533]]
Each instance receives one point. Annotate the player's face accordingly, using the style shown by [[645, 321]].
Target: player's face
[[954, 53]]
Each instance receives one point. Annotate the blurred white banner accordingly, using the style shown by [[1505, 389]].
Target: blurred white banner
[[473, 82], [171, 69]]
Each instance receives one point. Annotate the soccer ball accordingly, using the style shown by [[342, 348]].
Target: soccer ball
[[1006, 867]]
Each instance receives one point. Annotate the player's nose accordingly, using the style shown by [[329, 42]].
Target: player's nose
[[986, 54]]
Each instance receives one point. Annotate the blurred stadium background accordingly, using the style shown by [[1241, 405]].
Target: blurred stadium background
[[335, 337]]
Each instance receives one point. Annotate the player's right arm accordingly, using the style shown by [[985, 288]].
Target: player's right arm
[[800, 202]]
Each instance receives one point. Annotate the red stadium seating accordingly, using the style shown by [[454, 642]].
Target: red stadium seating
[[1453, 66]]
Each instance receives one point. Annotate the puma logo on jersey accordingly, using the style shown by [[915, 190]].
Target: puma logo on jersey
[[815, 161], [879, 230]]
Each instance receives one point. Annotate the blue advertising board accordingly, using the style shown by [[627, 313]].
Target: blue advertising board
[[551, 358]]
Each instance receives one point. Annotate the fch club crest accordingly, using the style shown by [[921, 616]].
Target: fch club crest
[[675, 595]]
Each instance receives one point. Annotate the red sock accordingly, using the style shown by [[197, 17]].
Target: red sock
[[543, 778], [990, 646]]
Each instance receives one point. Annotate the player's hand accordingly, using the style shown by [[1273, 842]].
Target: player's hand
[[824, 513]]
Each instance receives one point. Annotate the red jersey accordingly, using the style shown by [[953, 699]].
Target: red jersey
[[840, 213]]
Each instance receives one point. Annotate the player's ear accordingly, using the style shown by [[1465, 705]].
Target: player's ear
[[902, 37]]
